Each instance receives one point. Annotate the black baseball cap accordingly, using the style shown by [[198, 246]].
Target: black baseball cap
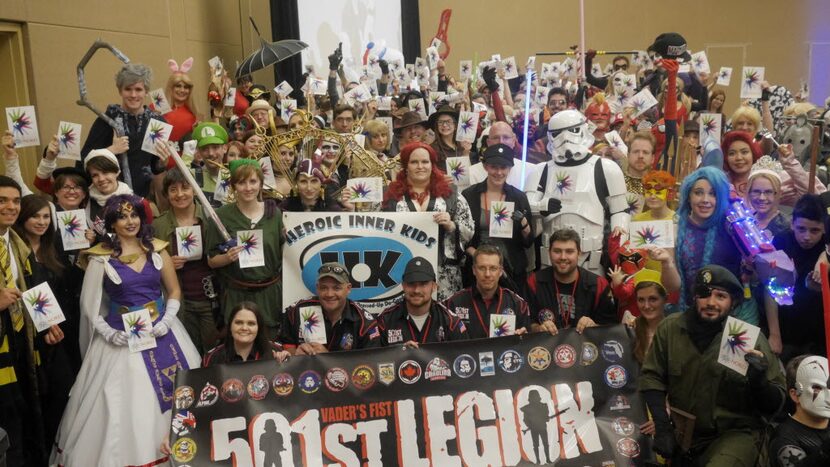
[[499, 154], [418, 269], [671, 45]]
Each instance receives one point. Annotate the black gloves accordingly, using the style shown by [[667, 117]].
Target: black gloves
[[665, 443], [756, 373], [489, 75], [767, 395], [766, 94], [336, 57], [384, 66], [554, 206], [518, 216]]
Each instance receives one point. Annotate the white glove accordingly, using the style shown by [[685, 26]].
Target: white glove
[[170, 310], [109, 333]]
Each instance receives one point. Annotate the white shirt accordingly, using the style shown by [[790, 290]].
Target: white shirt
[[419, 320], [7, 240]]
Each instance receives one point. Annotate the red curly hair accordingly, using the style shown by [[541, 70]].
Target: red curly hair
[[438, 185]]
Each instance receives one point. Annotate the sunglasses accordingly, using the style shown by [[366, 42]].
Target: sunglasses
[[331, 269]]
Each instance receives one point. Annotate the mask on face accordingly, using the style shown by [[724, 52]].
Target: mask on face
[[811, 386], [619, 83], [599, 113]]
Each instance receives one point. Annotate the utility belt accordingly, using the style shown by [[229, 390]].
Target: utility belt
[[238, 284]]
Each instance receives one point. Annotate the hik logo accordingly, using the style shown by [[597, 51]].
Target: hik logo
[[375, 265]]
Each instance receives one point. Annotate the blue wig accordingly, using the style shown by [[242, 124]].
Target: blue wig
[[715, 224]]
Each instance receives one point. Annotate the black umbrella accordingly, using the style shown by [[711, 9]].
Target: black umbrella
[[269, 54]]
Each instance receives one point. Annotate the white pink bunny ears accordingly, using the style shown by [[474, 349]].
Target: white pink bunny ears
[[175, 68]]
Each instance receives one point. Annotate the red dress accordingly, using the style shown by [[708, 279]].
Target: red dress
[[182, 120]]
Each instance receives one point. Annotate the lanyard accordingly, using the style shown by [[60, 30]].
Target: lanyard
[[425, 330], [566, 316], [478, 313]]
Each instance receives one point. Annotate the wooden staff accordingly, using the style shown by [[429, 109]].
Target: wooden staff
[[814, 148]]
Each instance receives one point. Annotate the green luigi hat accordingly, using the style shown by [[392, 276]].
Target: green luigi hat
[[209, 133]]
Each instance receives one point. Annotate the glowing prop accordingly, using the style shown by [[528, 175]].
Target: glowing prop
[[774, 268]]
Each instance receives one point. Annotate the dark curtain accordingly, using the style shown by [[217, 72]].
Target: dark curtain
[[285, 24], [411, 30]]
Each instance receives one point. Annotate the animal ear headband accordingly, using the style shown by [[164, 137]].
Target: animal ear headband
[[175, 68]]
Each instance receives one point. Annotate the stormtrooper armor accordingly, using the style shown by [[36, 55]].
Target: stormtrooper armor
[[570, 179]]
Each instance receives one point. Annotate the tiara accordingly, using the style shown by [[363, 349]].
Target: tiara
[[767, 165], [125, 208]]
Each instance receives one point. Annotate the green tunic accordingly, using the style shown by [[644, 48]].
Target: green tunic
[[696, 383], [269, 298]]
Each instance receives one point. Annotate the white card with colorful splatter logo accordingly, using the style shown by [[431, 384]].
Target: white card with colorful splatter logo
[[651, 233], [73, 228], [223, 184], [189, 242], [615, 141], [230, 98], [312, 325], [287, 108], [502, 325], [459, 169], [700, 62], [510, 69], [467, 127], [252, 254], [501, 219], [43, 307], [418, 106], [751, 79], [269, 181], [465, 69], [23, 126], [157, 131], [139, 327], [366, 189], [642, 101], [283, 89], [724, 76], [159, 101], [710, 127], [69, 141], [738, 338]]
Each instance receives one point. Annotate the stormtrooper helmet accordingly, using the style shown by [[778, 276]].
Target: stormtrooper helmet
[[568, 136]]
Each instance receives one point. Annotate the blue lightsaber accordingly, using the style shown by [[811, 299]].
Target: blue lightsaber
[[527, 122]]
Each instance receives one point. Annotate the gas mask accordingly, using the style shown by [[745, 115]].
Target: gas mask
[[800, 134], [568, 136], [811, 386]]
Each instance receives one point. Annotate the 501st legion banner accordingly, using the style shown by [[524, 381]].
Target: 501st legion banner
[[568, 399]]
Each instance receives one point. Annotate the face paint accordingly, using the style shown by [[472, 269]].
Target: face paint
[[657, 193], [811, 384], [600, 114]]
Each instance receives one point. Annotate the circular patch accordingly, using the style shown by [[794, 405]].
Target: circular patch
[[623, 426], [309, 381], [184, 397], [337, 379], [564, 355], [233, 390], [363, 377], [620, 402], [616, 376], [628, 447], [283, 384], [538, 358], [510, 361], [258, 387], [589, 353], [409, 372], [208, 396], [464, 365], [184, 450], [183, 423], [545, 315], [612, 351]]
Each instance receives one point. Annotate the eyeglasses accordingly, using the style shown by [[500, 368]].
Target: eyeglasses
[[760, 193], [445, 122], [490, 269], [331, 269], [70, 188], [557, 102]]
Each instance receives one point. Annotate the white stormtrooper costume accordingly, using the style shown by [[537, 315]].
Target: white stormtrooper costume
[[569, 179]]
